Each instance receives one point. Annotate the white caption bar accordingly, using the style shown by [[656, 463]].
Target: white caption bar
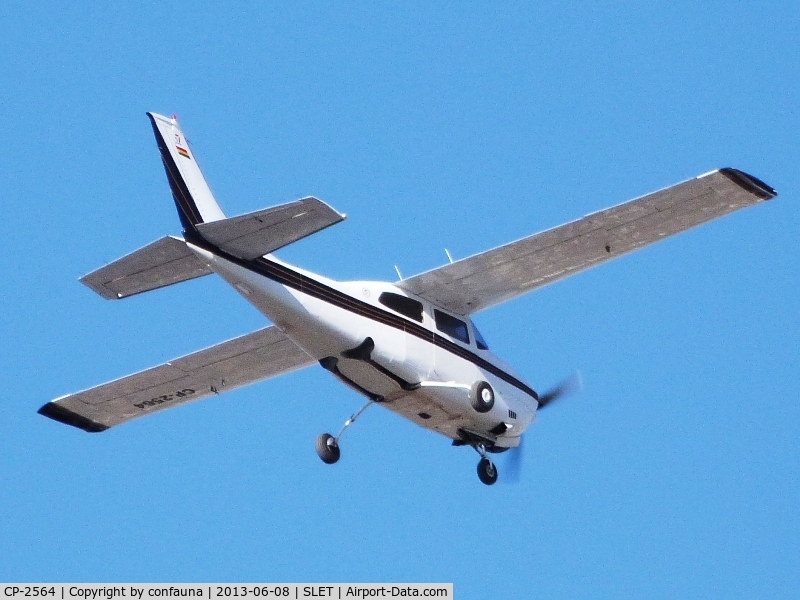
[[227, 591]]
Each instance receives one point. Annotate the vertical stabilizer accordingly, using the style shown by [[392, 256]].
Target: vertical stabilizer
[[193, 198]]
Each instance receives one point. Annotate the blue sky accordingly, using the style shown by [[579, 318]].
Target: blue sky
[[674, 473]]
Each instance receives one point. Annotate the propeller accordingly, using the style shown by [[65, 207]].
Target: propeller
[[512, 465], [512, 468], [571, 384]]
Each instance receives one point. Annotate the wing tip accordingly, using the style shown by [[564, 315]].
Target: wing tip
[[59, 413], [98, 288], [752, 184], [342, 216]]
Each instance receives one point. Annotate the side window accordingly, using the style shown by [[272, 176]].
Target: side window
[[405, 306], [455, 328], [479, 341]]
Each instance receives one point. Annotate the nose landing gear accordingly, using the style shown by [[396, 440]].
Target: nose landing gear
[[487, 471]]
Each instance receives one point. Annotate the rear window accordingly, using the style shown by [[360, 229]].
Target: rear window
[[405, 306], [455, 328]]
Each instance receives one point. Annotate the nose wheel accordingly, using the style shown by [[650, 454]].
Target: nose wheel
[[487, 471]]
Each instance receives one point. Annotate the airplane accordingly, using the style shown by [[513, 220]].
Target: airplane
[[409, 346]]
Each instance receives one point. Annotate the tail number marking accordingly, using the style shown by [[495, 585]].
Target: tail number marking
[[165, 398]]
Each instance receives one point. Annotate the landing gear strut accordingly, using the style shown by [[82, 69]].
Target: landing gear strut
[[328, 446]]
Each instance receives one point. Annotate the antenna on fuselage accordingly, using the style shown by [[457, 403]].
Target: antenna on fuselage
[[399, 274], [450, 258]]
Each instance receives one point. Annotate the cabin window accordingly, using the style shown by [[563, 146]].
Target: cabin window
[[455, 328], [405, 306], [479, 341]]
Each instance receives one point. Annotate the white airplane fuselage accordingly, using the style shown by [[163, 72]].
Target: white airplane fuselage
[[413, 369]]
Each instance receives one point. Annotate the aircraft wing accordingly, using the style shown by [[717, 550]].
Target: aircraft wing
[[264, 353], [478, 282]]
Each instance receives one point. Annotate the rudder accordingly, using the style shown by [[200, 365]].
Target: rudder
[[193, 198]]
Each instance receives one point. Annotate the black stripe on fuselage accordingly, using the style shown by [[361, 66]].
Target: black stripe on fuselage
[[188, 212], [307, 285]]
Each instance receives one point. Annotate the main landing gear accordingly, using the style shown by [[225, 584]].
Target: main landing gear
[[328, 446]]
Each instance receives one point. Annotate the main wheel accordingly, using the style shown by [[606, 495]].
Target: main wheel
[[487, 472], [481, 396], [327, 448]]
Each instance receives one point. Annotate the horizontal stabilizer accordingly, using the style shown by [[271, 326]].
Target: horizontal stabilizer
[[159, 264], [256, 234], [246, 359]]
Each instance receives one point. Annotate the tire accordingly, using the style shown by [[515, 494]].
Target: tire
[[481, 397], [487, 471], [327, 448]]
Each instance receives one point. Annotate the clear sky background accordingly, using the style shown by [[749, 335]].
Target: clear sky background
[[675, 473]]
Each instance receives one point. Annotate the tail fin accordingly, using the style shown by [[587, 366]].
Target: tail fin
[[193, 198]]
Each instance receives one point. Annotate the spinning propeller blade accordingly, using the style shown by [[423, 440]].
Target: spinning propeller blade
[[512, 468], [513, 459], [571, 384]]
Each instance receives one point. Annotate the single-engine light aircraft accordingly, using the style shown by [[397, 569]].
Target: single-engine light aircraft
[[409, 346]]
